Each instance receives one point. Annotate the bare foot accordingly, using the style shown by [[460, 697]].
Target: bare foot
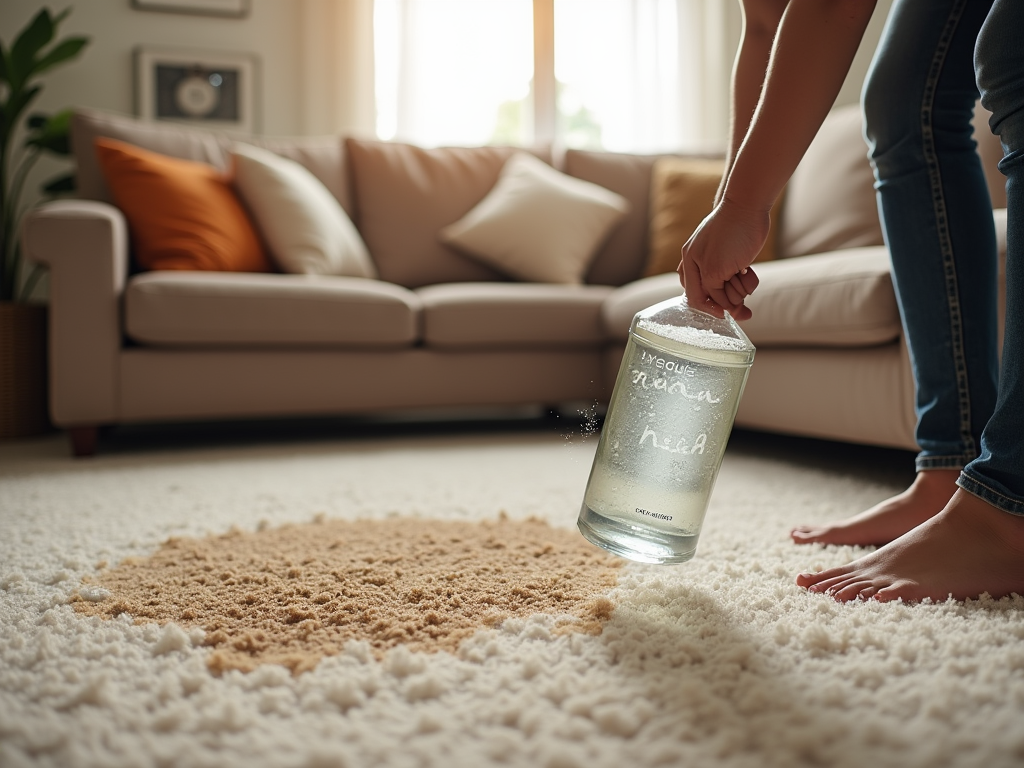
[[969, 548], [884, 522]]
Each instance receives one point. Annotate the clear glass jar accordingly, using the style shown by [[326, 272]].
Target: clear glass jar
[[665, 432]]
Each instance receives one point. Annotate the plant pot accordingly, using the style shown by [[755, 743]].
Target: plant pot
[[23, 374]]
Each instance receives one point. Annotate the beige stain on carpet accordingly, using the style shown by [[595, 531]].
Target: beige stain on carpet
[[295, 594]]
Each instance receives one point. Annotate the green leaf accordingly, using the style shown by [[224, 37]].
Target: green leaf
[[51, 133], [66, 50], [60, 185], [3, 63], [24, 49]]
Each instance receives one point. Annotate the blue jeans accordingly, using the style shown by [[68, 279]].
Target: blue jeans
[[934, 60]]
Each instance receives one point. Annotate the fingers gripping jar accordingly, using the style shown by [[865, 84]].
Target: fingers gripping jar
[[665, 432]]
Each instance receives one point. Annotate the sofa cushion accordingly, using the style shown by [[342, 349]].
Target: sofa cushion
[[489, 315], [303, 225], [323, 156], [203, 309], [406, 194], [840, 299], [165, 138], [181, 214], [622, 256], [537, 224], [830, 199]]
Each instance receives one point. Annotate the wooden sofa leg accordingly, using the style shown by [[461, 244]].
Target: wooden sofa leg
[[83, 440]]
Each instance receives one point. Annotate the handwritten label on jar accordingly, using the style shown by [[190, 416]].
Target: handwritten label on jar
[[659, 382], [682, 445]]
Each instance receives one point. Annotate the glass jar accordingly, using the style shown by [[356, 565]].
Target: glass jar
[[665, 432]]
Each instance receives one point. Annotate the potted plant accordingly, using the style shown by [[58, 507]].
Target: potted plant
[[33, 52]]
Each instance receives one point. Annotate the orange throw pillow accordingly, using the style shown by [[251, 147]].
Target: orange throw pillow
[[181, 214]]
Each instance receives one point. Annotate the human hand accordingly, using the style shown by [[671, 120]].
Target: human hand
[[715, 266]]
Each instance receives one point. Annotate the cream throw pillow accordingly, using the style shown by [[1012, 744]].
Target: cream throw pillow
[[537, 224], [305, 228]]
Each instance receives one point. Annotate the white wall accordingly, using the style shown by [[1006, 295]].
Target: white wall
[[102, 76]]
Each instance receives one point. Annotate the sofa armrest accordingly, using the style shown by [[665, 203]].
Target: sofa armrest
[[85, 245]]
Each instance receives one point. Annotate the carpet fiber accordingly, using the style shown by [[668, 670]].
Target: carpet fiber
[[721, 661]]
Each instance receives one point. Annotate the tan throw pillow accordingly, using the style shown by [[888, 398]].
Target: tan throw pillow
[[537, 224], [682, 194], [303, 225]]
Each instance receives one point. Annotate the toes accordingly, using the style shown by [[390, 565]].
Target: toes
[[805, 534], [830, 585], [886, 594], [819, 582], [867, 593], [853, 589]]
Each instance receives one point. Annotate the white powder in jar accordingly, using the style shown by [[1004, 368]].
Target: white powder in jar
[[696, 337]]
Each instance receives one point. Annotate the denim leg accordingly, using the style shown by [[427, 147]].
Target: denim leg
[[998, 474], [937, 218]]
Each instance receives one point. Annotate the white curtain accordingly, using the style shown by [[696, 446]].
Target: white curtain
[[445, 68], [633, 75], [337, 93]]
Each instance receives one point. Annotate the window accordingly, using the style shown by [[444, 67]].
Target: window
[[448, 71], [621, 75]]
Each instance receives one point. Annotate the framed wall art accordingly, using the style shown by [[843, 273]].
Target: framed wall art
[[230, 8], [211, 89]]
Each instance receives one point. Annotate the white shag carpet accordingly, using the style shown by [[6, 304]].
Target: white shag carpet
[[722, 661]]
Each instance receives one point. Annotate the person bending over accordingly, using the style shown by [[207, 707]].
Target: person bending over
[[959, 529]]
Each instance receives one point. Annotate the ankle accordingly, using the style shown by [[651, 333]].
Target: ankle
[[936, 482]]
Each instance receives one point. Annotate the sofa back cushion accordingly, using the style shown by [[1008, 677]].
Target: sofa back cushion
[[165, 138], [830, 200], [405, 195], [621, 258], [323, 156]]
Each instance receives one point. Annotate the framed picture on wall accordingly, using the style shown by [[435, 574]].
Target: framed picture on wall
[[211, 89], [232, 8]]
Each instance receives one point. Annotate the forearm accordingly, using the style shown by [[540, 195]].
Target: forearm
[[813, 50], [760, 22]]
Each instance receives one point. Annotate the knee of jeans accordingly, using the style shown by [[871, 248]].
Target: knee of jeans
[[889, 129]]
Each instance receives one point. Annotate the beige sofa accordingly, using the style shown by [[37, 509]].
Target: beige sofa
[[438, 329]]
